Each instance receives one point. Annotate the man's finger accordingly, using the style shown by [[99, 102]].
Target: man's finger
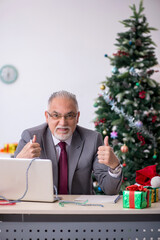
[[106, 141]]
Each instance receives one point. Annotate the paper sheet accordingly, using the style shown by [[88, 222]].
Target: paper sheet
[[97, 198]]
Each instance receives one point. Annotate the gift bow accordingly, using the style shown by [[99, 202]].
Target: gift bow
[[136, 188]]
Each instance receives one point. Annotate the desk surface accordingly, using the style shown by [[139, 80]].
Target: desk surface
[[55, 208]]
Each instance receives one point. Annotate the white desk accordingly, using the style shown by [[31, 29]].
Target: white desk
[[42, 221]]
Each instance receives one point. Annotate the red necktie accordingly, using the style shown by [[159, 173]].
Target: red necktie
[[63, 170]]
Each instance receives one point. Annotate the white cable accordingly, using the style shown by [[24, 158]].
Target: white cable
[[19, 199]]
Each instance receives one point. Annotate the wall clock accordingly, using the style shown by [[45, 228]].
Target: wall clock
[[8, 74]]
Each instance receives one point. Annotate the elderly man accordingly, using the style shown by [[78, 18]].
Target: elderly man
[[75, 152]]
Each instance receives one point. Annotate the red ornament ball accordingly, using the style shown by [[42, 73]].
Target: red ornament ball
[[124, 164], [124, 148], [142, 94]]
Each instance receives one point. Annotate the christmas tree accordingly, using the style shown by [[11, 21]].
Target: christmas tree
[[128, 107]]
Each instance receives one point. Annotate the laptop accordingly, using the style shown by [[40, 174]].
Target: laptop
[[13, 173]]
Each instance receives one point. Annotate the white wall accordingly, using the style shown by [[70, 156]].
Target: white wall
[[58, 44]]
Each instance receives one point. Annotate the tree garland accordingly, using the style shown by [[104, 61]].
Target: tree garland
[[130, 119]]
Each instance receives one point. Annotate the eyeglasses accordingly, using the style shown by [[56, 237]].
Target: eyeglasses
[[57, 116]]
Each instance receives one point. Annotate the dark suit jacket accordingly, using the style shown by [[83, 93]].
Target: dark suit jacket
[[82, 159]]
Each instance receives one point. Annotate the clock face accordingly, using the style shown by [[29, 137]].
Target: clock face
[[8, 74]]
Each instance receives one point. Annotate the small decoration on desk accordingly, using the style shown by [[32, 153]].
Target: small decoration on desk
[[155, 182], [149, 178], [4, 202], [9, 148], [154, 193], [136, 197], [145, 175], [155, 189]]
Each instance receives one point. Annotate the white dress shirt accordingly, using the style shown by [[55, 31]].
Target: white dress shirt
[[58, 149]]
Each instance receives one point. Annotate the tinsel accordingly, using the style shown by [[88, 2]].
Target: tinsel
[[131, 120]]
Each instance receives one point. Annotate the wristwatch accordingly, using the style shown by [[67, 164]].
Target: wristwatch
[[117, 170]]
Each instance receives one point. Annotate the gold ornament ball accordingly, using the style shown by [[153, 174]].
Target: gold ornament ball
[[102, 87], [124, 148], [104, 132]]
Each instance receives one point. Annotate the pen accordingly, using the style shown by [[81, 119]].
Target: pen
[[33, 139], [117, 198]]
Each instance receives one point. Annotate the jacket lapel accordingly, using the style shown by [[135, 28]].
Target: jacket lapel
[[73, 155], [50, 153]]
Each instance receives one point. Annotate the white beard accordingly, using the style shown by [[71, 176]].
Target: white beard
[[62, 137]]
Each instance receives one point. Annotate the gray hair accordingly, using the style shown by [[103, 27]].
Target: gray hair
[[63, 94]]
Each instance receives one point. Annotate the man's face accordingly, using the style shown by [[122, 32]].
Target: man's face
[[62, 117]]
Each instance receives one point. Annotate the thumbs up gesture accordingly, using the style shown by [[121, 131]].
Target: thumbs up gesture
[[31, 150], [106, 155]]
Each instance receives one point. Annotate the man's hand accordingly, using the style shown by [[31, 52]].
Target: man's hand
[[30, 150], [107, 156]]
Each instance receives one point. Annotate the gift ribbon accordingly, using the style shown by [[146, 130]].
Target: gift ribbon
[[148, 193], [131, 199]]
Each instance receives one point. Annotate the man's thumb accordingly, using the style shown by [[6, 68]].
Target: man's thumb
[[34, 139], [106, 141]]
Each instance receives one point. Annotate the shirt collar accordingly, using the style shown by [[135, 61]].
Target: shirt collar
[[56, 141]]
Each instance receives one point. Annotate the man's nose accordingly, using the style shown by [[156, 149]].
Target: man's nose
[[62, 120]]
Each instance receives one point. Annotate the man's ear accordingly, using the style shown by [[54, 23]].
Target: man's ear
[[46, 116]]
